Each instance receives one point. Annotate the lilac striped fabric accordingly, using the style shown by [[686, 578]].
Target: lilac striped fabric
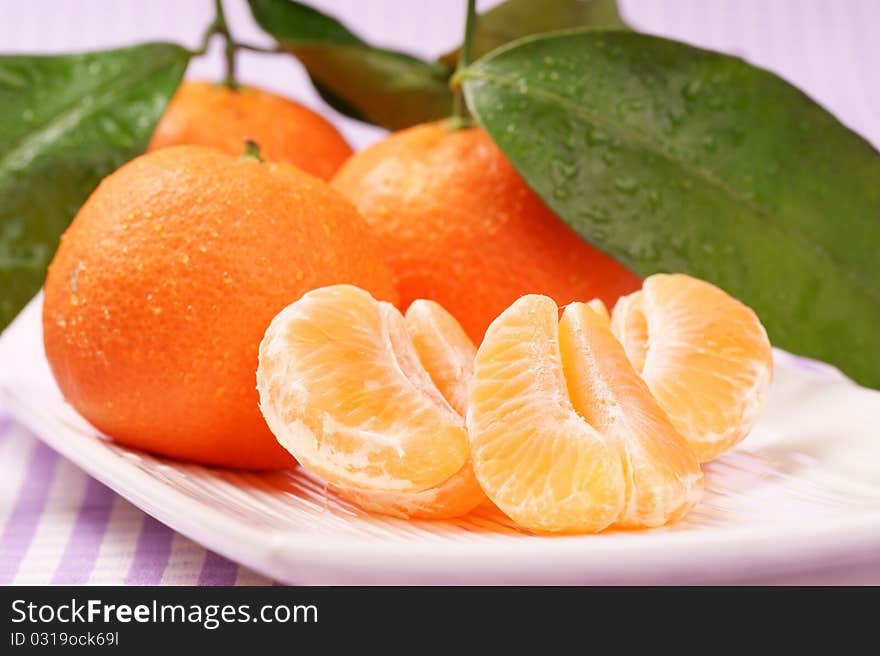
[[59, 526], [81, 532]]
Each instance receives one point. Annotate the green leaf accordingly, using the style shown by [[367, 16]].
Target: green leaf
[[371, 84], [68, 121], [518, 18], [673, 158]]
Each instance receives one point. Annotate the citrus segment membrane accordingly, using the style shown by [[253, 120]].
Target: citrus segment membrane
[[537, 459], [565, 437], [447, 354], [662, 477], [445, 350], [347, 385], [342, 388], [703, 354]]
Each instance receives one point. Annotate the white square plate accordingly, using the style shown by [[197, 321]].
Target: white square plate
[[798, 500]]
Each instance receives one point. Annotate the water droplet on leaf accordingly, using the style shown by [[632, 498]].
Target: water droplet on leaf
[[692, 89], [626, 185]]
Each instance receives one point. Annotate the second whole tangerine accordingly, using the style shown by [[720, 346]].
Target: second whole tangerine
[[460, 226]]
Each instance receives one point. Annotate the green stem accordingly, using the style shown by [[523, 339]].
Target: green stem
[[221, 27], [458, 118], [253, 48], [252, 151]]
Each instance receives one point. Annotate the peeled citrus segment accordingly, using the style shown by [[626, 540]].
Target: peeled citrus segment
[[704, 355], [629, 325], [447, 354], [597, 306], [565, 436], [536, 458], [445, 350], [342, 388], [662, 477]]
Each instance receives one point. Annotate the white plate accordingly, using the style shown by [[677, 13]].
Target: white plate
[[799, 500]]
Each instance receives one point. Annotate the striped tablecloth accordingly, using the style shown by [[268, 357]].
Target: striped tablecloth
[[61, 526], [57, 525]]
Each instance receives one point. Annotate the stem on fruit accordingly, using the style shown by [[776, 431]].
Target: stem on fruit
[[458, 119], [252, 151]]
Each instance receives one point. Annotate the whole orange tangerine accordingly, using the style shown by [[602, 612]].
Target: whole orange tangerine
[[459, 226], [206, 114], [164, 283]]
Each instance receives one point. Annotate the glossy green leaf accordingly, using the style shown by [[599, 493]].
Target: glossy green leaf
[[518, 18], [371, 84], [68, 121], [677, 159]]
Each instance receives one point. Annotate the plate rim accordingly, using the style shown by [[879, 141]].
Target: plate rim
[[321, 557], [336, 559]]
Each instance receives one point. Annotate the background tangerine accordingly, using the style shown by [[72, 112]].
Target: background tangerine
[[459, 226], [207, 114]]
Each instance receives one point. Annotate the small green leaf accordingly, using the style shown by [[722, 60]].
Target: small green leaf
[[371, 84], [518, 18], [673, 158], [68, 121]]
